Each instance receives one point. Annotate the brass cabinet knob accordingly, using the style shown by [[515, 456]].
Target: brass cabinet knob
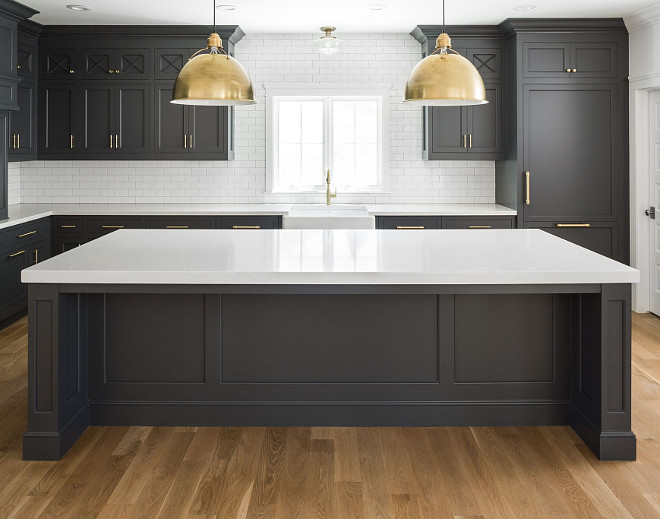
[[568, 70], [117, 71], [111, 71], [18, 67], [574, 70], [71, 71]]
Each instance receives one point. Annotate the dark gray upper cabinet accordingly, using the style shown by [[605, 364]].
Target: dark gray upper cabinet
[[116, 119], [107, 63], [569, 56], [59, 63], [181, 131], [168, 62], [59, 120], [474, 132], [22, 124]]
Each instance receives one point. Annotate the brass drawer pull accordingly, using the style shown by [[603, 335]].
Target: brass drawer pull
[[16, 254], [580, 225], [480, 227], [177, 227], [410, 227], [26, 234], [67, 226], [112, 226], [527, 200], [247, 227]]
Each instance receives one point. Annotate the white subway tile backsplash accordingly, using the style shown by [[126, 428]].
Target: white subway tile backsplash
[[382, 59]]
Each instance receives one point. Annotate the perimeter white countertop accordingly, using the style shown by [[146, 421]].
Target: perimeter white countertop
[[330, 257], [22, 213]]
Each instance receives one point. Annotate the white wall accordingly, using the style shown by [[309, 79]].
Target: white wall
[[644, 29], [276, 60]]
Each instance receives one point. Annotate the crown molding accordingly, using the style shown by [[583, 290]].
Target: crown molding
[[648, 16]]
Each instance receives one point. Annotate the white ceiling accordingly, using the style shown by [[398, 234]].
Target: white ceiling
[[308, 15]]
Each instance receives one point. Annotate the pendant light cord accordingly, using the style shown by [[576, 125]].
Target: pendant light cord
[[214, 15], [443, 15]]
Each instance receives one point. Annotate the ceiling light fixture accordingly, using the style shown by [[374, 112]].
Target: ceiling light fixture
[[377, 7], [226, 7], [78, 7], [328, 44], [214, 78], [526, 7], [445, 78]]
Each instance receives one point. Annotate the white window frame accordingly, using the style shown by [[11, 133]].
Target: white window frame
[[379, 93]]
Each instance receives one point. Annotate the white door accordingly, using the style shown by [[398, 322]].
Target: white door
[[655, 201]]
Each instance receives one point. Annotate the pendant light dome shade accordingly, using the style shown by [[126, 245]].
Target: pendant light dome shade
[[213, 79], [445, 79]]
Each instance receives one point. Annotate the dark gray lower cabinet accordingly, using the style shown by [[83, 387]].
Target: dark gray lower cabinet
[[249, 222], [408, 222], [4, 168], [600, 237], [180, 222], [20, 247], [445, 222]]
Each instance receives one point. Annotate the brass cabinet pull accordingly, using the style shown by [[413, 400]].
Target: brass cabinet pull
[[464, 141], [112, 226], [18, 140], [185, 141], [247, 227], [36, 256], [67, 226], [72, 142], [13, 141], [16, 254], [177, 227], [410, 227], [580, 225], [111, 141], [480, 226], [470, 141], [190, 141], [527, 200], [26, 234], [116, 141]]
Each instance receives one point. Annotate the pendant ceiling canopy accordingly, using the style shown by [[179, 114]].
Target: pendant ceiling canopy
[[445, 78], [213, 78]]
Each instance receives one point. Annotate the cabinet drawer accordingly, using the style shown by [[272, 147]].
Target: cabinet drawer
[[180, 222], [70, 226], [600, 237], [477, 222], [249, 222], [25, 234], [408, 222], [112, 223], [66, 243]]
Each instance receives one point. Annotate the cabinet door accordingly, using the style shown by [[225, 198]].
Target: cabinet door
[[488, 61], [22, 123], [98, 118], [133, 112], [133, 64], [600, 237], [572, 151], [97, 64], [26, 64], [448, 131], [594, 60], [249, 222], [477, 222], [58, 118], [545, 59], [207, 129], [171, 123], [59, 63], [66, 243], [169, 62], [8, 42], [13, 295], [4, 137], [39, 252], [485, 129]]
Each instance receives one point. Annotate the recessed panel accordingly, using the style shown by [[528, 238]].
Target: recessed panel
[[154, 338], [503, 338]]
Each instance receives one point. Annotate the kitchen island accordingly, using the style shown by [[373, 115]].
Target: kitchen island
[[366, 327]]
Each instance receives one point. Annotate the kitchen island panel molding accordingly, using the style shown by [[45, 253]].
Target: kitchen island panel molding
[[70, 322]]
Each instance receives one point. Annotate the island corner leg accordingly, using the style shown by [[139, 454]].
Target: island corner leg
[[601, 374], [58, 406]]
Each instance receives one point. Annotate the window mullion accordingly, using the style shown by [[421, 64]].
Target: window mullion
[[327, 136]]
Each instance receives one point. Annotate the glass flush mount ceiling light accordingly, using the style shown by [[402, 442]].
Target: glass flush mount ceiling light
[[328, 44], [445, 78], [214, 78]]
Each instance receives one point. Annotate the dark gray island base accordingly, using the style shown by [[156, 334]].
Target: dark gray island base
[[329, 355]]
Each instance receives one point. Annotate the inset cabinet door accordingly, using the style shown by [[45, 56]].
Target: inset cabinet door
[[171, 132], [98, 118], [117, 64], [594, 60], [572, 151], [168, 62], [485, 129], [207, 130], [59, 130], [59, 63], [447, 130], [545, 59], [133, 118], [22, 123]]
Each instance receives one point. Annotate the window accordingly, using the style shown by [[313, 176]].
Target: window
[[309, 134]]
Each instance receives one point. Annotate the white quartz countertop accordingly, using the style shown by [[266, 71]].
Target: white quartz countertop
[[22, 213], [364, 257]]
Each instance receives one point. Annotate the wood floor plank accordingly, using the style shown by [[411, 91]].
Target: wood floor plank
[[331, 472]]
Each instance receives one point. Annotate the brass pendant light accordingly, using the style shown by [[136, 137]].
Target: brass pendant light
[[445, 78], [214, 78]]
